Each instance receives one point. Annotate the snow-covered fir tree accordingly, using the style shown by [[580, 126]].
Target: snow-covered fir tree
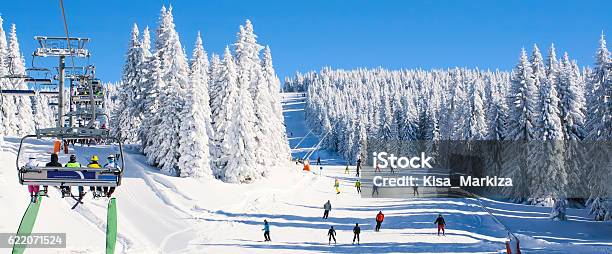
[[523, 98], [250, 75], [174, 69], [195, 128], [43, 114], [458, 107], [238, 141], [573, 116], [16, 66], [150, 126], [476, 125], [280, 144], [600, 129], [146, 43], [500, 114], [540, 79], [217, 91], [547, 175], [8, 107], [127, 116]]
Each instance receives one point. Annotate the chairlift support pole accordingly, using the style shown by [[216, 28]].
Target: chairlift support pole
[[70, 98], [60, 97]]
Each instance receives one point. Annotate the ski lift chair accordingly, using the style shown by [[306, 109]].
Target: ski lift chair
[[63, 176], [39, 76]]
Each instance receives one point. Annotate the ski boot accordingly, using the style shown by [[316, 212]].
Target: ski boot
[[45, 191], [65, 192]]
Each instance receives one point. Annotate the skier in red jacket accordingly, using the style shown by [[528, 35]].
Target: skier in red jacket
[[379, 219]]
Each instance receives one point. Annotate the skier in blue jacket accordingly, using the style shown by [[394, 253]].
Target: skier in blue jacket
[[266, 231]]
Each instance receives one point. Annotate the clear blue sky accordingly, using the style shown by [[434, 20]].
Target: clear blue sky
[[307, 35]]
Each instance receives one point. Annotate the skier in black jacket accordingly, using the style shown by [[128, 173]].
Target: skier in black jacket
[[356, 232], [441, 223], [52, 164], [332, 235]]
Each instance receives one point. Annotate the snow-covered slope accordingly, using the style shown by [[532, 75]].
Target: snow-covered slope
[[162, 214]]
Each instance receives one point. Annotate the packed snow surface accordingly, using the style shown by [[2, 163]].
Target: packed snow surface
[[158, 213]]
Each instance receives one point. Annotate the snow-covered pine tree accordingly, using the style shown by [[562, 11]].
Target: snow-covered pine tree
[[497, 131], [549, 111], [281, 150], [552, 63], [214, 71], [522, 116], [573, 110], [195, 127], [548, 175], [522, 102], [398, 117], [16, 66], [238, 142], [600, 120], [558, 211], [387, 133], [50, 112], [279, 132], [250, 75], [110, 93], [540, 80], [600, 132], [476, 123], [458, 114], [140, 91], [149, 128], [8, 107], [174, 68], [168, 134], [146, 43], [217, 90], [500, 115], [127, 118], [40, 111], [408, 131]]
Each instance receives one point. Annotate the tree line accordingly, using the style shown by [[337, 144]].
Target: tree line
[[550, 101]]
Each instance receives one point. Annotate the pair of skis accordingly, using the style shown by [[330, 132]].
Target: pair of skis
[[29, 218]]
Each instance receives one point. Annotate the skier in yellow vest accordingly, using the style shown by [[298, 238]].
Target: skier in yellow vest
[[95, 164], [337, 186]]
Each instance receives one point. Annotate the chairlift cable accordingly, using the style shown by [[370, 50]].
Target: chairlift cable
[[61, 2]]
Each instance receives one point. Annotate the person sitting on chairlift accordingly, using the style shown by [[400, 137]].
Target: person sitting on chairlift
[[95, 164], [54, 163], [112, 164], [33, 189], [73, 163]]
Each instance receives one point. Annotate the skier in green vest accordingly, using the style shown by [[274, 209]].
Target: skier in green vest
[[73, 163]]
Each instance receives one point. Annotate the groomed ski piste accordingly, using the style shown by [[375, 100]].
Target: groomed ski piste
[[158, 213]]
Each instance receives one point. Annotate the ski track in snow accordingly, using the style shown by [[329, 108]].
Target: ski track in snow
[[169, 185], [154, 186], [99, 223], [154, 182]]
